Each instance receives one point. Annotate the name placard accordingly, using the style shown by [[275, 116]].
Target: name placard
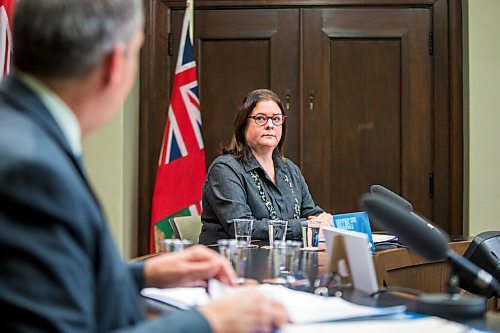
[[358, 221]]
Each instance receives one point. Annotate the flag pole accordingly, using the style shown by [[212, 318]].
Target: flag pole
[[190, 7], [181, 167]]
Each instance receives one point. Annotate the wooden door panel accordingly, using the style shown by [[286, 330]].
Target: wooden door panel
[[222, 62], [374, 104], [308, 51], [366, 133], [242, 50]]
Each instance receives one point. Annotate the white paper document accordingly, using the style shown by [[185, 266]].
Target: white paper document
[[302, 307], [380, 238], [182, 298], [426, 324]]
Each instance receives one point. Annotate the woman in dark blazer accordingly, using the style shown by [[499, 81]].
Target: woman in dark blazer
[[252, 178]]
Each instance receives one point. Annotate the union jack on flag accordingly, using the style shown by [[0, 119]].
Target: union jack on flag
[[6, 7], [181, 166]]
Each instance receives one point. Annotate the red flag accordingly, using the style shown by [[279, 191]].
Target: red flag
[[6, 8], [181, 167]]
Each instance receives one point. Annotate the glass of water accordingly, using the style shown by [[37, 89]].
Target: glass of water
[[310, 237], [237, 253], [289, 254], [174, 245], [284, 261], [243, 230], [277, 231]]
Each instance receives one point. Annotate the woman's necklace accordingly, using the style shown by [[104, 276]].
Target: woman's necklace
[[267, 202]]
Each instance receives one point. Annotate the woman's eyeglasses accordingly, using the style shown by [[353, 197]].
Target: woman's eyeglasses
[[261, 119]]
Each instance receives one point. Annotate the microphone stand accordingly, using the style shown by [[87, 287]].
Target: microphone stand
[[429, 242], [453, 282], [464, 269], [452, 304]]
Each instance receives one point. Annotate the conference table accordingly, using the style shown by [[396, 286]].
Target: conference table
[[396, 267]]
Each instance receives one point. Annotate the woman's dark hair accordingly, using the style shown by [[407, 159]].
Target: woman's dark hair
[[239, 147]]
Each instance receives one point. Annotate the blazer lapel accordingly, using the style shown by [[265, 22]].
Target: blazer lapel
[[27, 102]]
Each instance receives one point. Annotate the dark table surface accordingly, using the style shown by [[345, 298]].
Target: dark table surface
[[315, 263]]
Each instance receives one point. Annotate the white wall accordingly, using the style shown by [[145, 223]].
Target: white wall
[[111, 158], [111, 153], [484, 115]]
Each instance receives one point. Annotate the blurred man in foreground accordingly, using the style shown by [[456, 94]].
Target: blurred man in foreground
[[75, 61]]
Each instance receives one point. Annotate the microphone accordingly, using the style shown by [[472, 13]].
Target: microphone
[[393, 197], [400, 202], [421, 236], [425, 239]]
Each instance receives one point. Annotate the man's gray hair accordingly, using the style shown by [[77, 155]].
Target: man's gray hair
[[66, 39]]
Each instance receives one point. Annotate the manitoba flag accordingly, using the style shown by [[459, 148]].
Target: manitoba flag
[[181, 166], [6, 7]]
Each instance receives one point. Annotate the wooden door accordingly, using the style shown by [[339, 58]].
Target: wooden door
[[368, 75], [242, 50], [372, 96]]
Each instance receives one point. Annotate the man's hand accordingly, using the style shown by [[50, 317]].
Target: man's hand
[[244, 311], [186, 268]]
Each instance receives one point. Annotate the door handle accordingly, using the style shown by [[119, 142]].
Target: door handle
[[311, 100]]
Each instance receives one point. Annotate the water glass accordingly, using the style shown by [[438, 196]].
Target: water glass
[[310, 236], [284, 259], [289, 252], [174, 245], [237, 253], [243, 229], [277, 231]]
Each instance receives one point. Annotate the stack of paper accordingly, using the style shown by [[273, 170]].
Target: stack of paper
[[182, 298], [382, 238], [302, 307], [426, 324]]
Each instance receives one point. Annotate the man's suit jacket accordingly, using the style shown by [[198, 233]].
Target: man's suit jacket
[[59, 269]]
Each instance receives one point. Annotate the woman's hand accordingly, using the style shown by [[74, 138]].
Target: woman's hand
[[324, 219]]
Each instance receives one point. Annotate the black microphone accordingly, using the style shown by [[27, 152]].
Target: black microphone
[[386, 193], [425, 239], [421, 236], [400, 202]]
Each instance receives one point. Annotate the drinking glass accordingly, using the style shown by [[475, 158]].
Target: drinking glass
[[174, 245], [310, 237], [243, 230], [284, 262], [277, 231], [289, 252], [236, 251]]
